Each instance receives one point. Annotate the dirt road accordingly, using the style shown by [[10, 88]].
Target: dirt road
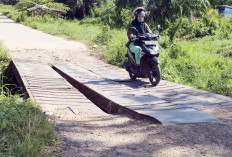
[[100, 134]]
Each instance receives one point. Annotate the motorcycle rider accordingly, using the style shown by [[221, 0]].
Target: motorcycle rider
[[142, 27]]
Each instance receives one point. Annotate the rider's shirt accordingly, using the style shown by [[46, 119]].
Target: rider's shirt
[[142, 28]]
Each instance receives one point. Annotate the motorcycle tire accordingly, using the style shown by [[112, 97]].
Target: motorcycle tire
[[132, 76], [155, 73]]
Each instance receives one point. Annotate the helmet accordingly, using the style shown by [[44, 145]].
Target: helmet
[[138, 11]]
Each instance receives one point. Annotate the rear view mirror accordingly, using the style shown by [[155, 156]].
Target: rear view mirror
[[148, 13]]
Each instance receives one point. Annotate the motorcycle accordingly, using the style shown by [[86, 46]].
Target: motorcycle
[[149, 58]]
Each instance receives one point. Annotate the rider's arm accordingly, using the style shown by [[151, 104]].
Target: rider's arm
[[130, 33], [148, 30]]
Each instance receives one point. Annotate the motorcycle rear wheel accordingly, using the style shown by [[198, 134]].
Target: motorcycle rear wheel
[[132, 76], [155, 73]]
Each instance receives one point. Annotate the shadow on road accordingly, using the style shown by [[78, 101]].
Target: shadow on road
[[105, 137]]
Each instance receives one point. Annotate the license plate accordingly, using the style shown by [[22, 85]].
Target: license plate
[[150, 42]]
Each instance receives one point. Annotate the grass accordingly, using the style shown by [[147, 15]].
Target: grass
[[4, 58], [204, 63], [24, 130], [199, 65]]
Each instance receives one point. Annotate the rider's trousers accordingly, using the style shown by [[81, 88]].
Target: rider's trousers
[[137, 51]]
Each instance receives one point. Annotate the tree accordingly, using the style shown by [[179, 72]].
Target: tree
[[162, 10], [81, 8], [10, 2], [128, 3], [215, 3]]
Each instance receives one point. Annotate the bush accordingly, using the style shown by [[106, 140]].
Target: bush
[[113, 43], [104, 37], [199, 27], [21, 17], [225, 28], [23, 5], [91, 21], [116, 51], [175, 51], [118, 18], [225, 51], [4, 57], [24, 129]]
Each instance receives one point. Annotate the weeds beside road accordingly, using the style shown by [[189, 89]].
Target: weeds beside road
[[24, 130]]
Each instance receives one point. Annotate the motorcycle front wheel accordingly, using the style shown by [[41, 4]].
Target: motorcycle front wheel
[[155, 74]]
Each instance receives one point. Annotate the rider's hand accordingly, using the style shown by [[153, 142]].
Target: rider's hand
[[133, 37]]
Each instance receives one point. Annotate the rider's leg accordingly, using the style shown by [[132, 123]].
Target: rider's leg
[[137, 50]]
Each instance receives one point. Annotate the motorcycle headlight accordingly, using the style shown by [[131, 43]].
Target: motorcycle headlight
[[155, 50]]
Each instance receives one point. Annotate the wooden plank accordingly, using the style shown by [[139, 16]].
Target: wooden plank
[[61, 92], [59, 96], [44, 99]]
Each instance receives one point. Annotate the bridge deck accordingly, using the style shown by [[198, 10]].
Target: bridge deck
[[46, 87], [168, 102]]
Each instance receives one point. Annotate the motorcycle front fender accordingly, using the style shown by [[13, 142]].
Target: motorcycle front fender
[[155, 59]]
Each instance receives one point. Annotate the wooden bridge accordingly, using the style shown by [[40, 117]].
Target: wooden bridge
[[114, 93]]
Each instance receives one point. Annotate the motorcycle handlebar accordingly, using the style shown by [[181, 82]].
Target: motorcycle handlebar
[[143, 37]]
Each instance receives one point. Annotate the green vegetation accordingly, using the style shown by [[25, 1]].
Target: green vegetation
[[193, 52], [4, 58], [24, 130], [198, 63]]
